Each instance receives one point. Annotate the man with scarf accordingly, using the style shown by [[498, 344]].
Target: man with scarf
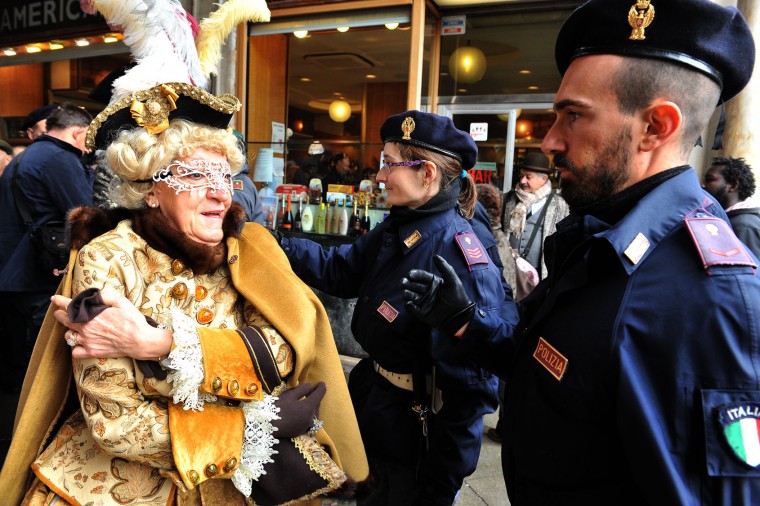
[[531, 211]]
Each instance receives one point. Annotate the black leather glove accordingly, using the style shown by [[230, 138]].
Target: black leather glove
[[299, 407], [441, 302]]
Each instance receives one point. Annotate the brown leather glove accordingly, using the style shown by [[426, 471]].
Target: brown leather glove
[[299, 408]]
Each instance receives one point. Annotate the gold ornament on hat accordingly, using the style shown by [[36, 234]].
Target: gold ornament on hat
[[639, 17], [407, 126], [153, 114]]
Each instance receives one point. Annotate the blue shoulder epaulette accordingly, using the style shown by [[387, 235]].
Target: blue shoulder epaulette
[[473, 251], [716, 243]]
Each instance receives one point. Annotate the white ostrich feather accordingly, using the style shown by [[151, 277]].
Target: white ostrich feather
[[215, 29], [160, 38]]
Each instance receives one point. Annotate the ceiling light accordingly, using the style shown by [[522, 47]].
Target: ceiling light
[[56, 44], [9, 52], [82, 42], [301, 33], [342, 29], [467, 64], [339, 111], [110, 37], [371, 76], [305, 79], [525, 71], [461, 90], [533, 88], [33, 49], [391, 26]]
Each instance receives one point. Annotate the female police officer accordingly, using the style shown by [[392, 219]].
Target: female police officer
[[418, 397]]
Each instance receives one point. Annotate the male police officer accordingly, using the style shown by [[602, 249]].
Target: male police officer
[[635, 377]]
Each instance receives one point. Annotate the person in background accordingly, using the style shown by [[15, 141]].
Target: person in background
[[419, 399], [18, 149], [244, 191], [732, 183], [531, 212], [491, 199], [6, 155], [634, 378], [52, 180], [35, 123], [340, 171]]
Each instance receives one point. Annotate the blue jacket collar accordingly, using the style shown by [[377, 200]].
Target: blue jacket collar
[[656, 215], [426, 227]]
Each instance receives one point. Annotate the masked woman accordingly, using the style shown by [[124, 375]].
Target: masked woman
[[419, 399], [213, 363]]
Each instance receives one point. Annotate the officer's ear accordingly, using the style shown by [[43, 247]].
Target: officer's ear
[[430, 172], [662, 122]]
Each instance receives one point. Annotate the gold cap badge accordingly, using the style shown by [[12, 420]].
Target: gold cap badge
[[639, 17], [407, 126]]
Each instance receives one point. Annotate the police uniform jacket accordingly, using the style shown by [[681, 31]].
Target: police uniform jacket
[[53, 179], [371, 269], [637, 380], [130, 442]]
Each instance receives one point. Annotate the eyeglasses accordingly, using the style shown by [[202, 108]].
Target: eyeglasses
[[387, 165]]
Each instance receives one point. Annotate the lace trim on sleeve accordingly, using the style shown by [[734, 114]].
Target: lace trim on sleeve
[[258, 442], [186, 364]]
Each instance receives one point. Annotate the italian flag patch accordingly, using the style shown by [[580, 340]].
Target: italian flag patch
[[741, 427]]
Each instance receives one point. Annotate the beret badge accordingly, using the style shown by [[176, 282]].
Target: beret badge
[[639, 17], [407, 126]]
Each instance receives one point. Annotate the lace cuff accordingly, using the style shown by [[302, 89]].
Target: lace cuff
[[258, 442], [186, 364]]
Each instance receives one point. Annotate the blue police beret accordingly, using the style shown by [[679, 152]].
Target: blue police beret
[[39, 114], [433, 132], [701, 34]]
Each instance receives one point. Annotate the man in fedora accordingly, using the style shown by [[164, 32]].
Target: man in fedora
[[532, 210]]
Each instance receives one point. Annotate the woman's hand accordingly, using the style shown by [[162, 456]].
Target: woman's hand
[[119, 331]]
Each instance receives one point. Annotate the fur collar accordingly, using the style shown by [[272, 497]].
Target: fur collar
[[86, 223]]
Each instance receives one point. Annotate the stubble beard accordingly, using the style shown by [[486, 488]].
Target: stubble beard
[[602, 178]]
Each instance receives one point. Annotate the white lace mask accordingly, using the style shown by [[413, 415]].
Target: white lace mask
[[196, 174]]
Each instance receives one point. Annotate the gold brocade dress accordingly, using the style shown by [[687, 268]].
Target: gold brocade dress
[[117, 449]]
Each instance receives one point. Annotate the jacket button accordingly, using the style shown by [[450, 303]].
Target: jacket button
[[233, 387], [177, 267], [230, 464], [216, 384], [482, 313], [251, 389], [212, 470], [193, 476], [179, 291], [233, 259]]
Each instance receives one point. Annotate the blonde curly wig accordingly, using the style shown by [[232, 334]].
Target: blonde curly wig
[[137, 154]]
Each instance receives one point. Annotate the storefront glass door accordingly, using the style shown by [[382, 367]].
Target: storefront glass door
[[505, 129]]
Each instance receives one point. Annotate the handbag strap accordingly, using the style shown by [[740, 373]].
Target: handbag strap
[[21, 204], [535, 229]]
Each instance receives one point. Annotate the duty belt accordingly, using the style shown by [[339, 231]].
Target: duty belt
[[401, 380]]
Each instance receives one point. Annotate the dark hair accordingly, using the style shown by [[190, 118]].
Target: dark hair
[[737, 172], [490, 197], [450, 169], [68, 115], [639, 81]]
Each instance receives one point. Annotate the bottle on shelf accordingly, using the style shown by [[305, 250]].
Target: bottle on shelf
[[270, 219], [280, 213], [365, 225], [307, 219], [343, 219], [321, 217], [335, 225], [297, 222], [328, 218], [287, 219], [354, 222]]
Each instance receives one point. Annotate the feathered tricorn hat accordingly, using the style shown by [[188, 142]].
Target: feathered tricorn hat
[[171, 65]]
